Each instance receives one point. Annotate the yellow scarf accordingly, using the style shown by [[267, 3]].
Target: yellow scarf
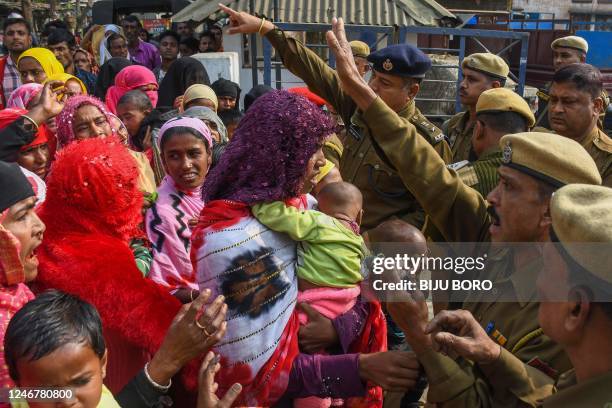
[[45, 58], [64, 77]]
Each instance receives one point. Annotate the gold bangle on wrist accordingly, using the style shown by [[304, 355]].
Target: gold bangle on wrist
[[263, 20]]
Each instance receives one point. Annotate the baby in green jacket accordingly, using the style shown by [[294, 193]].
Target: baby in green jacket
[[330, 250]]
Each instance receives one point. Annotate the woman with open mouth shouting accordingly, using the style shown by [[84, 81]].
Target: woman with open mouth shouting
[[21, 232]]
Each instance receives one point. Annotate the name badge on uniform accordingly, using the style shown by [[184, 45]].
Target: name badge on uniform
[[458, 165]]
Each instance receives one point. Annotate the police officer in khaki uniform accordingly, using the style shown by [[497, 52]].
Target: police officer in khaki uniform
[[361, 52], [397, 73], [582, 325], [574, 106], [534, 166], [499, 112], [566, 50], [481, 71]]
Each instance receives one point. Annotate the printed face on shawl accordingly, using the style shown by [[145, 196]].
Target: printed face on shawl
[[275, 153]]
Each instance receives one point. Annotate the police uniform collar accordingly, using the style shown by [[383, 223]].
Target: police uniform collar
[[590, 137], [523, 280], [465, 118], [493, 152], [408, 111]]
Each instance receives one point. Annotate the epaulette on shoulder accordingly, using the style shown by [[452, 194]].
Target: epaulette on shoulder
[[427, 129]]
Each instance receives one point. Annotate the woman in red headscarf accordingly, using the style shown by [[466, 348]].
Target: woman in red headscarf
[[92, 209], [131, 78], [35, 156]]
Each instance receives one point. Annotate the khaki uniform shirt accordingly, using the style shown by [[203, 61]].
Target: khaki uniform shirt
[[460, 214], [599, 146], [594, 392], [566, 393], [384, 194], [459, 135], [481, 174]]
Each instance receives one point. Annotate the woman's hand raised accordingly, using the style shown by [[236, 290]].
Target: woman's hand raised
[[207, 397]]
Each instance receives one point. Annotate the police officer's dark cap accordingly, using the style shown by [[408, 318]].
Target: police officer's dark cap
[[403, 60]]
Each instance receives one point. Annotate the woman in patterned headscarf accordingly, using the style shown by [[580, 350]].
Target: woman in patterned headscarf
[[85, 117]]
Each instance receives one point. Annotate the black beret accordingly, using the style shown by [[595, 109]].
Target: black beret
[[403, 60]]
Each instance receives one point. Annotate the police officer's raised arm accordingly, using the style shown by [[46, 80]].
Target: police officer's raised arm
[[458, 211], [301, 61]]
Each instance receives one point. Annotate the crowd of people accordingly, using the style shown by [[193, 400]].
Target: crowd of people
[[162, 245]]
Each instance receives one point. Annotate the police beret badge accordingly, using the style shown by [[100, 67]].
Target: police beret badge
[[507, 153], [387, 65]]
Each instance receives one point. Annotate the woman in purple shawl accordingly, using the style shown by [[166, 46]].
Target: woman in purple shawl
[[274, 155]]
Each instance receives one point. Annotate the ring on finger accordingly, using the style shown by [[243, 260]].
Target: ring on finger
[[203, 328]]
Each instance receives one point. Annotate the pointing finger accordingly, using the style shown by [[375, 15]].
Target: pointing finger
[[228, 10]]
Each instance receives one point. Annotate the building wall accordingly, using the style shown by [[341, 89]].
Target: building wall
[[488, 5], [559, 7], [563, 8]]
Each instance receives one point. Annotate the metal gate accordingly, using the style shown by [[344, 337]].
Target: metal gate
[[476, 35], [520, 39]]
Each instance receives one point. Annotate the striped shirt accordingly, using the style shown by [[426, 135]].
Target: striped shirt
[[12, 79]]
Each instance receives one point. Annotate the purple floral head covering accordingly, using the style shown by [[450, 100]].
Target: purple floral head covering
[[268, 155], [65, 133]]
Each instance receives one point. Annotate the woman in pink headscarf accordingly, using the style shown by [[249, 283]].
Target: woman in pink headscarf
[[23, 96], [86, 117], [130, 78]]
